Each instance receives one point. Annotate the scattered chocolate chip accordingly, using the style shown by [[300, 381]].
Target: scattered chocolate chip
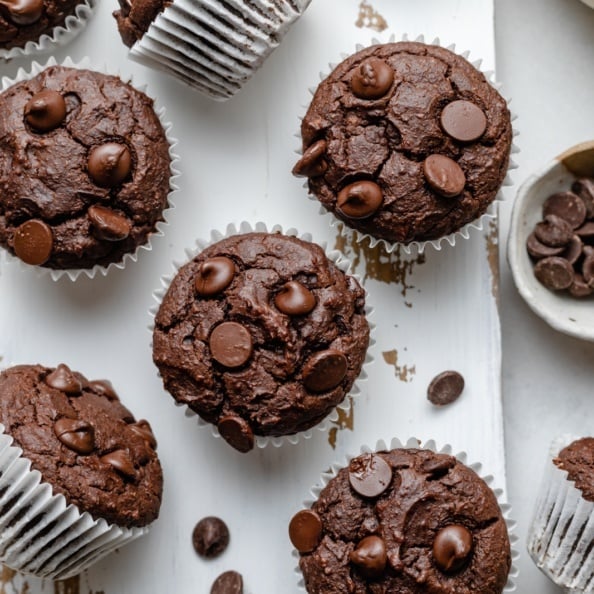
[[230, 344], [305, 530], [539, 250], [324, 371], [120, 460], [372, 79], [45, 111], [109, 164], [370, 556], [439, 466], [103, 388], [369, 475], [84, 382], [229, 582], [359, 200], [445, 388], [210, 537], [77, 435], [580, 288], [463, 120], [584, 188], [143, 429], [214, 275], [295, 299], [588, 265], [567, 206], [237, 433], [108, 224], [312, 163], [452, 548], [586, 231], [553, 231], [573, 251], [33, 242], [444, 175], [64, 380], [554, 273]]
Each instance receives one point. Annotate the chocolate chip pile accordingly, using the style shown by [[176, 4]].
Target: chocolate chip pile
[[562, 244]]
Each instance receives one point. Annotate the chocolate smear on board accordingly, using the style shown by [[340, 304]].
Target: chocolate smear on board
[[404, 373], [346, 420]]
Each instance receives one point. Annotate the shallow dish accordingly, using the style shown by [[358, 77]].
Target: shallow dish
[[561, 311]]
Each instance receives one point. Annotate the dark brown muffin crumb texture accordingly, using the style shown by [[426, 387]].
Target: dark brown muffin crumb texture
[[135, 17], [577, 459]]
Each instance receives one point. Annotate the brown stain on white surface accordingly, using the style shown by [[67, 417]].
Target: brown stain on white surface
[[346, 420], [370, 18], [68, 586], [8, 582], [404, 373], [492, 239]]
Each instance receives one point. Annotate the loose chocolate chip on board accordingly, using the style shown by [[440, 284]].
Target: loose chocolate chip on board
[[237, 433], [444, 175], [305, 530], [554, 273], [229, 582], [553, 231], [566, 205], [45, 111], [369, 475], [210, 537], [33, 242], [372, 79], [463, 120], [445, 388], [538, 250], [452, 548]]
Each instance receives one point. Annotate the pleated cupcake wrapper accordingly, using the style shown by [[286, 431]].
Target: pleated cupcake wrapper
[[215, 46], [57, 37], [40, 533], [561, 536], [262, 441], [464, 232], [414, 443], [74, 273]]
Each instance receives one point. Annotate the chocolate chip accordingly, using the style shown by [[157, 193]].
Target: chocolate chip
[[229, 582], [120, 460], [372, 79], [33, 242], [210, 537], [573, 251], [214, 275], [580, 288], [567, 206], [370, 556], [108, 224], [64, 380], [324, 371], [305, 530], [553, 231], [554, 273], [295, 299], [109, 164], [463, 120], [586, 231], [143, 429], [539, 250], [237, 433], [77, 435], [230, 344], [369, 475], [584, 188], [445, 388], [312, 163], [588, 265], [45, 111], [444, 175], [359, 200], [24, 12], [452, 548], [103, 388], [439, 466]]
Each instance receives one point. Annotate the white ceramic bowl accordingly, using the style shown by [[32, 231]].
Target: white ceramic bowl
[[589, 3], [563, 312]]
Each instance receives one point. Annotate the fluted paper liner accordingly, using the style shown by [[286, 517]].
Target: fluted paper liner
[[464, 232], [414, 443], [342, 263], [160, 226], [215, 46], [40, 533], [561, 536]]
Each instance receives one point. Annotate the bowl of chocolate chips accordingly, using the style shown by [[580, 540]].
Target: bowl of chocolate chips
[[551, 242]]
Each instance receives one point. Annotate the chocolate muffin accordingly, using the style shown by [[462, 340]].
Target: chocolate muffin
[[405, 142], [406, 521], [134, 18], [577, 460], [261, 334], [84, 169]]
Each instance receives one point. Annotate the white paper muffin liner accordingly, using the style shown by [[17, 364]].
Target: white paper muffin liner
[[57, 37], [40, 533], [75, 273], [464, 232], [262, 441], [561, 536], [215, 46], [414, 443]]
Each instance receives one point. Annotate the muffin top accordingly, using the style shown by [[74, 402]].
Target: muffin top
[[406, 521], [84, 168], [135, 17], [27, 20], [261, 334], [577, 459], [405, 142], [85, 443]]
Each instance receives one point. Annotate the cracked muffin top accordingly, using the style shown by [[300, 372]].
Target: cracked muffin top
[[405, 521], [84, 169], [261, 334], [577, 459], [405, 142], [85, 443]]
